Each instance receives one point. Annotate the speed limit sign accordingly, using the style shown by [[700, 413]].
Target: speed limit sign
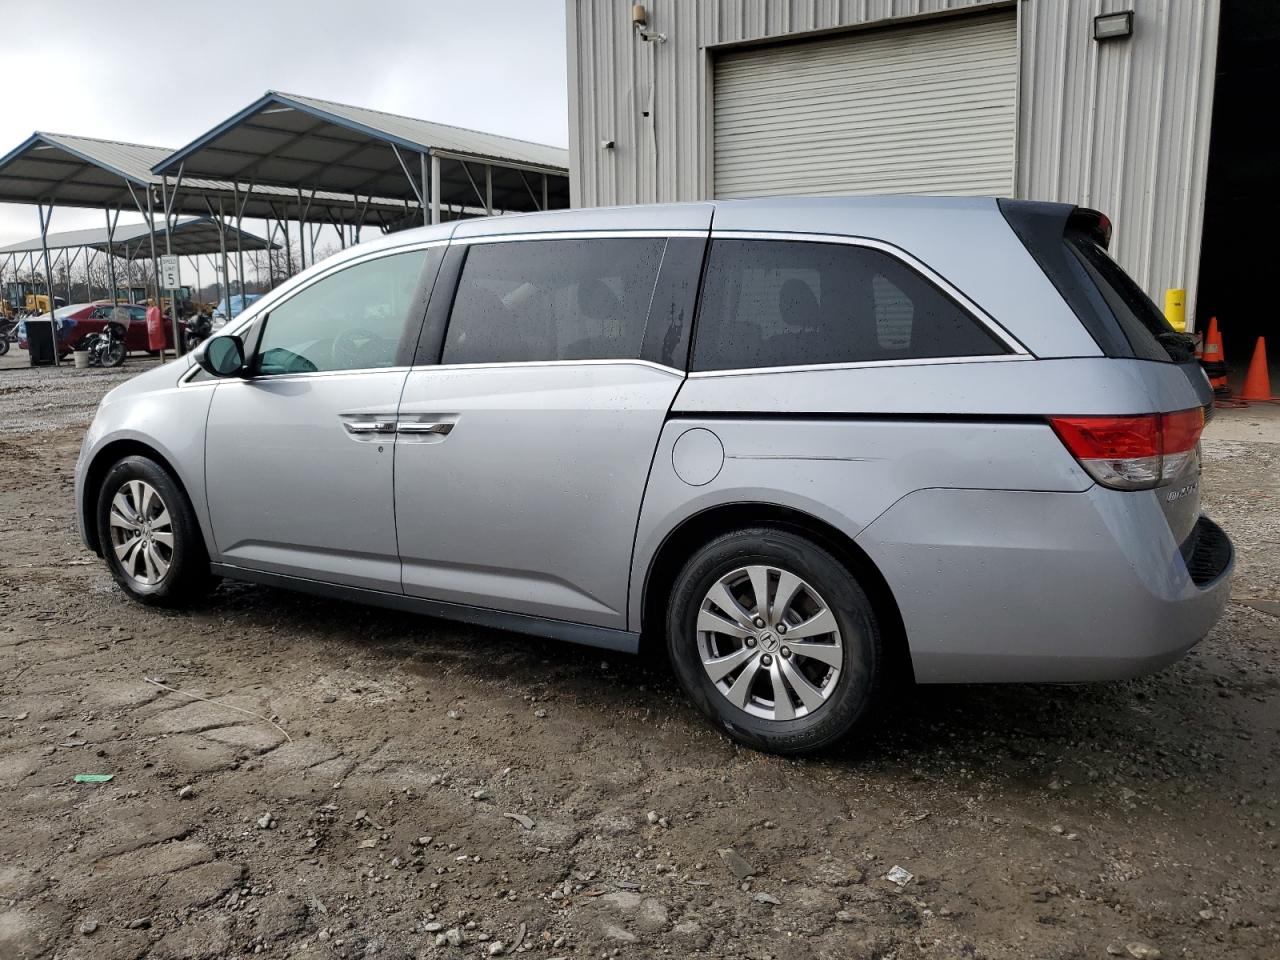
[[169, 272]]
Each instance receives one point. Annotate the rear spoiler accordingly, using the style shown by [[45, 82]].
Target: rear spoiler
[[1097, 225], [1043, 228]]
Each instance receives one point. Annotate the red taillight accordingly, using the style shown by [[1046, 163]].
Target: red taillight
[[1132, 453], [1182, 430]]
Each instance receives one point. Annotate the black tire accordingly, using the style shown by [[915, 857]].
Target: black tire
[[188, 577], [115, 356], [4, 345], [857, 686]]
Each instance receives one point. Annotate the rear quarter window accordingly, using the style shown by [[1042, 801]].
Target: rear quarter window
[[1139, 318], [1065, 243], [781, 303]]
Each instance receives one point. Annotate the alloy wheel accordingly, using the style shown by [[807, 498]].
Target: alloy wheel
[[769, 642], [141, 532]]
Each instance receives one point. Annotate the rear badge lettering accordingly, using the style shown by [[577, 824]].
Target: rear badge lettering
[[1175, 495]]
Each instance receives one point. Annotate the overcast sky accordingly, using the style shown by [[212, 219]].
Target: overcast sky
[[163, 74]]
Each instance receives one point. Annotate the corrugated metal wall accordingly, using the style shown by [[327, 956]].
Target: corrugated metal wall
[[1122, 125]]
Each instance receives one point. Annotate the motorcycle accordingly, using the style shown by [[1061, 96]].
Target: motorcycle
[[8, 335], [106, 348], [199, 328]]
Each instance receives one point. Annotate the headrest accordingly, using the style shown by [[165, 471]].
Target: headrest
[[797, 306], [597, 301]]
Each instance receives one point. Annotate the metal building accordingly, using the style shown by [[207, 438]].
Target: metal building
[[1104, 103]]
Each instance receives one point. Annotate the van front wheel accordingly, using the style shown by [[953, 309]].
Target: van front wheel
[[149, 535], [774, 640]]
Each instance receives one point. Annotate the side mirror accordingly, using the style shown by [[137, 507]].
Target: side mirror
[[221, 356]]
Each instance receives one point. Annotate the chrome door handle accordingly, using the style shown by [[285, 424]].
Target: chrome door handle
[[419, 428], [370, 426]]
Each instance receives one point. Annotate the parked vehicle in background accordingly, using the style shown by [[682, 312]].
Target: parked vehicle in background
[[8, 334], [78, 321], [106, 348], [948, 436], [199, 328], [68, 332], [20, 298], [229, 309]]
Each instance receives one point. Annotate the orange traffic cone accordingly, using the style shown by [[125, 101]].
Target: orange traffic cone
[[1214, 360], [1257, 382]]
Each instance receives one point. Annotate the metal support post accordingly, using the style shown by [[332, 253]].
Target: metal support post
[[235, 187], [427, 190], [111, 253], [45, 216], [169, 203], [435, 189]]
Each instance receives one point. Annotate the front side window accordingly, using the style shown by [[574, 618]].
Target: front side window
[[779, 303], [354, 319], [538, 300]]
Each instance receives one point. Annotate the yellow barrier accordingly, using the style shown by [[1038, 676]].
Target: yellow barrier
[[1175, 309]]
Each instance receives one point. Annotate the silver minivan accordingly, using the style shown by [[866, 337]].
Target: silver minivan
[[799, 444]]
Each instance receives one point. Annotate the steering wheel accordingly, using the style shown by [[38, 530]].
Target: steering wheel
[[353, 348]]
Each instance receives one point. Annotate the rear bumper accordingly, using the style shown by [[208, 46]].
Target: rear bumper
[[1017, 586]]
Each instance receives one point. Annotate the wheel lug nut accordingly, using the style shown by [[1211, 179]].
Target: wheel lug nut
[[782, 628], [786, 652], [759, 621], [766, 660], [751, 641]]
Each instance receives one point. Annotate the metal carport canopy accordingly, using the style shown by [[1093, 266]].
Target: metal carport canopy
[[190, 238], [72, 171], [293, 141]]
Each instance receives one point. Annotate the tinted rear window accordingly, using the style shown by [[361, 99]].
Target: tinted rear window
[[1140, 320], [779, 303]]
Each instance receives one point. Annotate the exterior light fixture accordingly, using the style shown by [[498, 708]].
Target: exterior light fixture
[[1113, 26], [640, 21]]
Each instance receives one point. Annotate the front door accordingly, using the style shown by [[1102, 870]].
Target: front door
[[299, 454], [523, 455]]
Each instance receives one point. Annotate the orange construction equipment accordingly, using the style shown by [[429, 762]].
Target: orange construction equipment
[[1257, 382], [1214, 360]]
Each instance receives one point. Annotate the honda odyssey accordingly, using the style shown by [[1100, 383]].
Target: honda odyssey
[[793, 442]]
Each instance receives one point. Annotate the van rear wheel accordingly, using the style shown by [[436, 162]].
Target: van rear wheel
[[774, 640]]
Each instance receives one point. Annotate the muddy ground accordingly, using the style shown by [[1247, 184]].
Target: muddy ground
[[404, 787]]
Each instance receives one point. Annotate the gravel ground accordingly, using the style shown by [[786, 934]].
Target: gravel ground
[[376, 784]]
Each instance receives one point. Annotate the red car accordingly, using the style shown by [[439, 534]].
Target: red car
[[77, 321]]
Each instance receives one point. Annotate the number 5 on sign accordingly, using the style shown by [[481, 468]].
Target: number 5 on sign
[[169, 272]]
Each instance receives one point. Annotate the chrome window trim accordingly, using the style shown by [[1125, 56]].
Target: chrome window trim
[[187, 378], [978, 314], [614, 234], [504, 364], [313, 374], [860, 365], [636, 362]]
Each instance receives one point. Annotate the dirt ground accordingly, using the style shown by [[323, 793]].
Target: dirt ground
[[396, 786]]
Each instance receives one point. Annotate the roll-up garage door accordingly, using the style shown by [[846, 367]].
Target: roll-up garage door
[[917, 109]]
